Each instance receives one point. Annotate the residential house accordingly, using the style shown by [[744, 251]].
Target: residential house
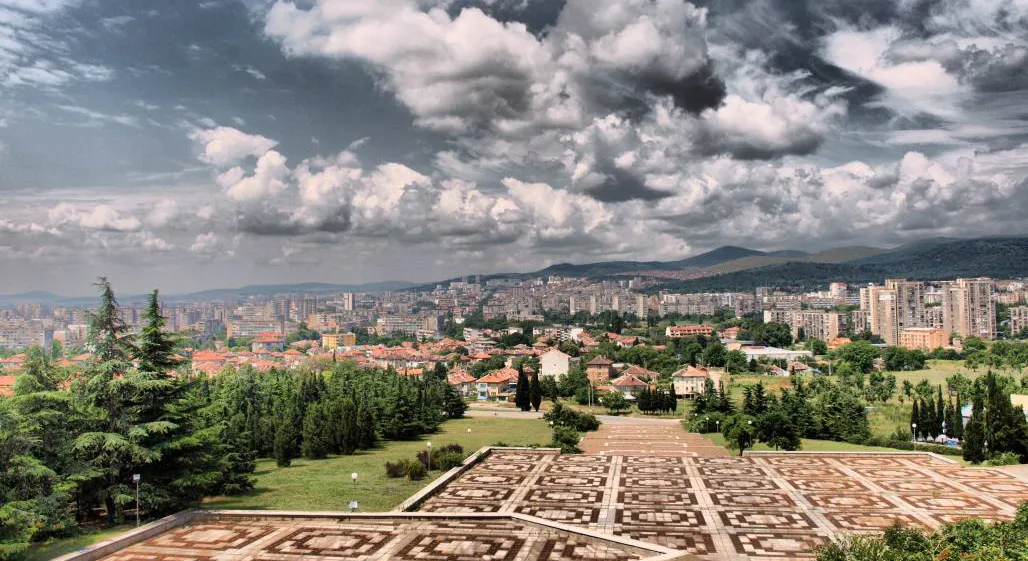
[[838, 342], [692, 380], [599, 369], [498, 384], [269, 342], [13, 362], [554, 364], [462, 380], [774, 353], [640, 372], [7, 385], [629, 385]]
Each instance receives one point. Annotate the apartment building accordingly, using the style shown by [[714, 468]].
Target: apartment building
[[923, 338], [968, 308], [1018, 319]]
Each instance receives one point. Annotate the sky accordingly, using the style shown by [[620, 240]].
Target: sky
[[193, 145]]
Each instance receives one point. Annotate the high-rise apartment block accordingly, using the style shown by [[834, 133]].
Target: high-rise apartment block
[[1018, 320], [968, 308], [900, 305]]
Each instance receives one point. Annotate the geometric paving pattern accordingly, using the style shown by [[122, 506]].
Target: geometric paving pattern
[[758, 507], [368, 539]]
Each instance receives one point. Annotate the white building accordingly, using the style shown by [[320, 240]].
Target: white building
[[554, 363], [774, 353]]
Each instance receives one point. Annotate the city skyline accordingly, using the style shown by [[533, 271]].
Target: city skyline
[[231, 143]]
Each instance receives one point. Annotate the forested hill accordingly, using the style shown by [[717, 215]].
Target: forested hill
[[1001, 258]]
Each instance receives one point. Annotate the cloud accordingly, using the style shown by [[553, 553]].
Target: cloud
[[100, 217], [224, 146]]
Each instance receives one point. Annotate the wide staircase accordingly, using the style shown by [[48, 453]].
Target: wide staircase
[[657, 437]]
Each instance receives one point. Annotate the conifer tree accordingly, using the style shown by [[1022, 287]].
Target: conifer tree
[[940, 413], [535, 392], [156, 350], [521, 391], [958, 420], [454, 403], [974, 435], [315, 437], [915, 420]]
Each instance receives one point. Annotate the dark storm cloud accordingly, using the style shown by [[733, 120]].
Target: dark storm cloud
[[620, 185]]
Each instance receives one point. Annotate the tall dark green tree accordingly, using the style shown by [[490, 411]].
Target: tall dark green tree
[[535, 392], [915, 420], [316, 436], [958, 420], [522, 397], [940, 413], [155, 352], [973, 444], [454, 404]]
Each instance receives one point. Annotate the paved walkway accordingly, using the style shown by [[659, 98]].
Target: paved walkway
[[762, 507], [655, 437]]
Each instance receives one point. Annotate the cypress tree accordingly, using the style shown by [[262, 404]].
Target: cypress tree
[[366, 426], [535, 392], [454, 403], [940, 413], [974, 435], [521, 391], [315, 442], [958, 420], [284, 437]]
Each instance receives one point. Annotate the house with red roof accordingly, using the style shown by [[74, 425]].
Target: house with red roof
[[498, 384], [7, 385], [599, 369], [462, 380], [629, 385], [13, 362], [269, 342]]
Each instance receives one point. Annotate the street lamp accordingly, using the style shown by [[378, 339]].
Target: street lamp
[[429, 456], [913, 431], [135, 479]]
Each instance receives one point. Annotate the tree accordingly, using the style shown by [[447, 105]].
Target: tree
[[522, 397], [973, 444], [454, 403], [155, 352], [860, 354], [775, 428], [106, 335], [535, 392], [615, 402], [315, 437], [714, 354], [816, 346], [957, 424], [735, 361], [739, 432]]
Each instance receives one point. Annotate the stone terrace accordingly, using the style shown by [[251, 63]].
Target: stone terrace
[[763, 506], [239, 536]]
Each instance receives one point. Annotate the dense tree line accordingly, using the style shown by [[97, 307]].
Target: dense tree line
[[71, 440], [996, 426]]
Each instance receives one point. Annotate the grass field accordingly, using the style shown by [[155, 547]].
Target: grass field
[[57, 548], [326, 485]]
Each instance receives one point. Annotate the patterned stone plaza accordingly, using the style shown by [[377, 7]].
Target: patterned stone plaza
[[765, 506]]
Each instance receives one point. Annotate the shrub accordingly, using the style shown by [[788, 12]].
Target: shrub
[[1004, 459], [917, 447], [448, 461], [969, 539], [416, 471], [452, 448], [567, 417], [566, 439], [396, 469]]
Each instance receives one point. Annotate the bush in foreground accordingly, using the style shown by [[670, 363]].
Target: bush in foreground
[[967, 540]]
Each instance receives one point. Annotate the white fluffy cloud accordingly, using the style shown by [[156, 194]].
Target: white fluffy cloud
[[223, 146]]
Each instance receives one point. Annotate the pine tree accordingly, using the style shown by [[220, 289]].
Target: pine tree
[[521, 391], [107, 331], [156, 350], [535, 392], [974, 435], [284, 438]]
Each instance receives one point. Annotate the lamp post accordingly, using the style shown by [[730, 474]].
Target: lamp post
[[706, 424], [135, 479], [718, 424], [913, 431], [429, 456]]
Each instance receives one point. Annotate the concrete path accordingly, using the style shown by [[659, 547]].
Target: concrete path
[[649, 437]]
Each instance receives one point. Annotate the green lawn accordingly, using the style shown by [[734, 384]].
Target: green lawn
[[325, 485], [57, 548], [810, 445]]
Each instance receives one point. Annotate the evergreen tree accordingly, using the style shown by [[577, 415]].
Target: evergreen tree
[[958, 420], [974, 435], [454, 403], [285, 436], [155, 352], [316, 438], [521, 393], [940, 413], [106, 336], [535, 392]]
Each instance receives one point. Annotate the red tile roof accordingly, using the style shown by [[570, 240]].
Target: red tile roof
[[501, 376]]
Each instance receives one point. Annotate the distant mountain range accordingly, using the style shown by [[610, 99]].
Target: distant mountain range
[[727, 268], [215, 294]]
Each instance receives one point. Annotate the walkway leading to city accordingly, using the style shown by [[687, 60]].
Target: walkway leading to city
[[648, 437]]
